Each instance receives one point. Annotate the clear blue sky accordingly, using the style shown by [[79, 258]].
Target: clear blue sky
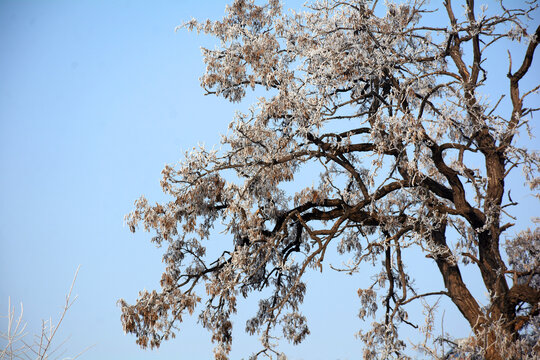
[[95, 98]]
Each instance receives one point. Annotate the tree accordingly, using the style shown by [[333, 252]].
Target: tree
[[43, 345], [412, 157]]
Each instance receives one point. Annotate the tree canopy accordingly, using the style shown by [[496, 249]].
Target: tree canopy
[[387, 107]]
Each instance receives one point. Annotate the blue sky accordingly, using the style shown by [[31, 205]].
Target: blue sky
[[95, 98]]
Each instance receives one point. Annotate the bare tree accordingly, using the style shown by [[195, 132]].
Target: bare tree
[[42, 346], [412, 157]]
